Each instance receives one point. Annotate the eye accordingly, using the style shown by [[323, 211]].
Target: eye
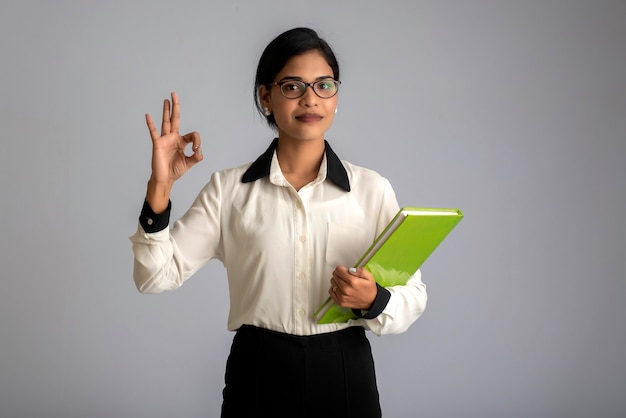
[[326, 85], [291, 86]]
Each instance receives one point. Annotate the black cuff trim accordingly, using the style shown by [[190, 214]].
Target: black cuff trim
[[379, 305], [152, 222]]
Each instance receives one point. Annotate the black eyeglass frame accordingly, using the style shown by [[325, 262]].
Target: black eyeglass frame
[[312, 85]]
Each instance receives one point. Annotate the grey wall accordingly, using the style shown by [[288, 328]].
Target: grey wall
[[513, 111]]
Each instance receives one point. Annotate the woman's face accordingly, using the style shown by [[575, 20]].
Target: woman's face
[[306, 118]]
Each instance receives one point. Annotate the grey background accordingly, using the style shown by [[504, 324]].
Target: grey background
[[513, 111]]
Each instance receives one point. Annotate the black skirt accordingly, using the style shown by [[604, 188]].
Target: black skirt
[[271, 374]]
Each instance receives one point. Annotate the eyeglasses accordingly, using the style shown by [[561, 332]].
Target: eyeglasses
[[293, 89]]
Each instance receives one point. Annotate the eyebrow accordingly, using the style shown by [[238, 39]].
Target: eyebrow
[[290, 77]]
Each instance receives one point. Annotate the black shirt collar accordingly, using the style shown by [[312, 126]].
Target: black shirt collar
[[336, 172]]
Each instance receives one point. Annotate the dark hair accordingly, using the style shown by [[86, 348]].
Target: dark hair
[[285, 46]]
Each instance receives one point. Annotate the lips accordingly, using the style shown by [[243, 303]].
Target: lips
[[309, 117]]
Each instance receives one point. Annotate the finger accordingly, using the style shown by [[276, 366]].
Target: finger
[[165, 120], [194, 139], [193, 159], [191, 138], [175, 118], [361, 273], [153, 132], [341, 277], [196, 144]]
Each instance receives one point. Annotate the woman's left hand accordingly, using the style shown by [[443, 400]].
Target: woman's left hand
[[353, 288]]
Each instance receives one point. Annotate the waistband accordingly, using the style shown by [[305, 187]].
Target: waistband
[[339, 337]]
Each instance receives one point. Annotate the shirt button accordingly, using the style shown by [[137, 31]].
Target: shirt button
[[301, 312], [150, 221], [302, 238], [301, 276]]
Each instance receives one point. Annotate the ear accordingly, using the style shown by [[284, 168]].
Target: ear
[[264, 96]]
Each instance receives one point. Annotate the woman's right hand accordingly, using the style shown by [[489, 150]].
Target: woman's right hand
[[169, 161]]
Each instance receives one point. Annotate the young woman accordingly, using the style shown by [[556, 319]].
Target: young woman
[[286, 227]]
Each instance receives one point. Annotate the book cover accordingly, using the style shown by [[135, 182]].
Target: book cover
[[398, 252]]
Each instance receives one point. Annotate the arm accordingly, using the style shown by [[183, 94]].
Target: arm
[[155, 265], [166, 258], [383, 310]]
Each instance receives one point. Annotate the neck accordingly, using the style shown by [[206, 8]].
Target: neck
[[300, 161], [300, 158]]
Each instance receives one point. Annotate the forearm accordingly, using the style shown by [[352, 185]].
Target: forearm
[[154, 269], [154, 252], [166, 257]]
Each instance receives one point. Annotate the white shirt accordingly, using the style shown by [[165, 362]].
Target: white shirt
[[279, 246]]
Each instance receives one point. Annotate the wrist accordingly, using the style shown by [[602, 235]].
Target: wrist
[[380, 303], [158, 194]]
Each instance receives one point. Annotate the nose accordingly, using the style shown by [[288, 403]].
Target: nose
[[309, 98]]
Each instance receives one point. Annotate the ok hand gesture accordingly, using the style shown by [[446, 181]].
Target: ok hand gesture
[[169, 161]]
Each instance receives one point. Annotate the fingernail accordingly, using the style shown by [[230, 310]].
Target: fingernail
[[352, 270]]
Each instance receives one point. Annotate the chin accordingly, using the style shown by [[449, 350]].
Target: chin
[[305, 135]]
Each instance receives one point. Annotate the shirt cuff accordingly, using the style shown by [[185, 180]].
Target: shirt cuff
[[154, 222], [380, 303]]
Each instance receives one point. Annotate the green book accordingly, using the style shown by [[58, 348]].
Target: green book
[[398, 252]]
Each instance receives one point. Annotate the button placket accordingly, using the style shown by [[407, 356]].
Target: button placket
[[301, 265]]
